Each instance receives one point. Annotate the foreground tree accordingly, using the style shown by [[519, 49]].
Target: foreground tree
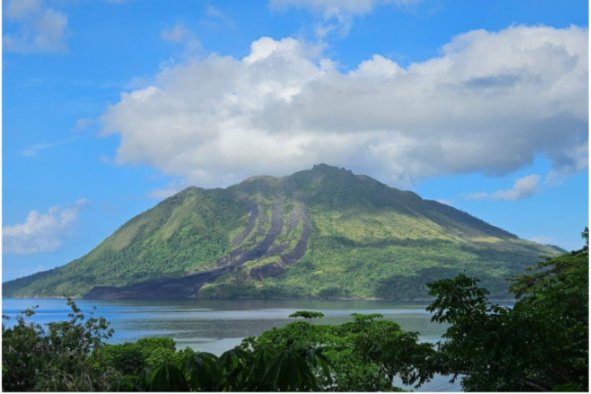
[[56, 357], [72, 356], [541, 343], [363, 355]]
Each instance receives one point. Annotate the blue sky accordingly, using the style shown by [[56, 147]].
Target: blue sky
[[111, 105]]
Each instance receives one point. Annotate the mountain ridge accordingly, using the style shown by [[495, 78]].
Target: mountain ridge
[[318, 233]]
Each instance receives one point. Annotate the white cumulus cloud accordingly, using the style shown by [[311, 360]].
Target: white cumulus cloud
[[41, 233], [489, 103], [522, 188], [38, 28]]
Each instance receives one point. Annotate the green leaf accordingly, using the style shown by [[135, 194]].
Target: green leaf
[[203, 371], [167, 377]]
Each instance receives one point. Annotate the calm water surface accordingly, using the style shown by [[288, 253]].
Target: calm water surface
[[216, 326]]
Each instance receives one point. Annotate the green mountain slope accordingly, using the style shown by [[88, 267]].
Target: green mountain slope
[[319, 233]]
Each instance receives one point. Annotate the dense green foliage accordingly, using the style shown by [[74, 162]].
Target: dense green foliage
[[365, 354], [71, 356], [184, 233], [56, 357], [359, 239], [538, 344], [337, 268], [541, 343]]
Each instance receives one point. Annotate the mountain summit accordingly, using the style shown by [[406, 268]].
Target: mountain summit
[[319, 233]]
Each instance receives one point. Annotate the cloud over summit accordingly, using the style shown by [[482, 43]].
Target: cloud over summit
[[489, 103]]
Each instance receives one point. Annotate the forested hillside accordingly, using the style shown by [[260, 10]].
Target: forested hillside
[[319, 233]]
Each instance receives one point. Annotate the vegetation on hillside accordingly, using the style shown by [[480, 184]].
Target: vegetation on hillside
[[322, 233], [184, 233], [538, 344]]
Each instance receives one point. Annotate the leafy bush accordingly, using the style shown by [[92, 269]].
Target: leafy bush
[[540, 344], [71, 356], [55, 358], [363, 355]]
